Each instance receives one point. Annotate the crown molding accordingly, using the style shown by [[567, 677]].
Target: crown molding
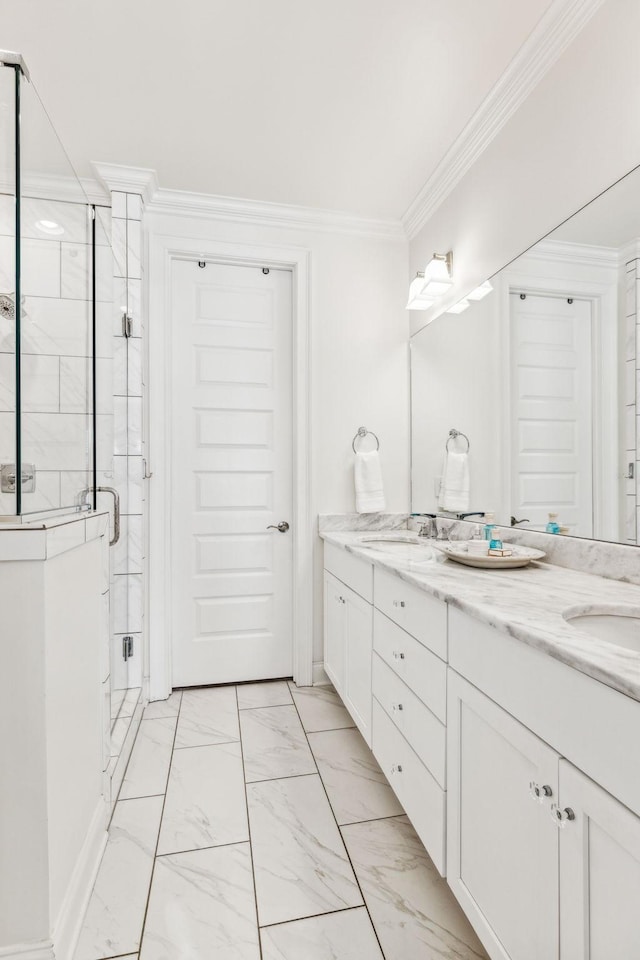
[[209, 206], [117, 177], [69, 189], [554, 32], [562, 251], [630, 252]]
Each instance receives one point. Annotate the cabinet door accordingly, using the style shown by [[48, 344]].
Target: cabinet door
[[599, 872], [334, 620], [358, 640], [502, 844]]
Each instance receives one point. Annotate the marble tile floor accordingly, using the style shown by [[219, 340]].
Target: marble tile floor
[[254, 824]]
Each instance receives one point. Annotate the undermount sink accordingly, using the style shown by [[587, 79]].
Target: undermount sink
[[617, 625], [402, 547]]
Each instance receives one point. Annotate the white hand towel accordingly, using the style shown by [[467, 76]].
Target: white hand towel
[[368, 478], [454, 488]]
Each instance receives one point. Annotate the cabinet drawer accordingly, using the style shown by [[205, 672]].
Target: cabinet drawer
[[415, 788], [415, 611], [419, 726], [356, 573], [421, 670]]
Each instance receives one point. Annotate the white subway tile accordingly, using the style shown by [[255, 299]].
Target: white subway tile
[[46, 495], [51, 327], [119, 246], [134, 206], [134, 368], [57, 441], [134, 426], [76, 271], [72, 218], [118, 204], [134, 249], [120, 427]]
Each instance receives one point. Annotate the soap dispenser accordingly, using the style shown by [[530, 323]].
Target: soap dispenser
[[553, 526], [489, 524]]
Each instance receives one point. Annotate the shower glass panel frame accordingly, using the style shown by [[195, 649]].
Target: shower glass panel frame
[[48, 300]]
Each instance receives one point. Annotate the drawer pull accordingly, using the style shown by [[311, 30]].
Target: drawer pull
[[397, 706], [540, 792], [396, 768], [398, 603], [562, 817], [397, 655]]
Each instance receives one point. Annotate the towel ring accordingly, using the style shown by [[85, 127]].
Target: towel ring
[[363, 432], [454, 434]]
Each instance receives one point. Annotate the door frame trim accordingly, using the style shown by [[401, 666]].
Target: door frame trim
[[556, 268], [163, 250]]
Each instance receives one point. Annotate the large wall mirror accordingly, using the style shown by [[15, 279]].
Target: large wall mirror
[[541, 376]]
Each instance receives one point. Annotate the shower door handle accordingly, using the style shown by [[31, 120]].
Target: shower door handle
[[116, 512]]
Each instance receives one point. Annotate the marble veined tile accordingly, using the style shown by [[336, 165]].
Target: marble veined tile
[[148, 767], [357, 787], [320, 708], [413, 910], [301, 867], [113, 922], [274, 744], [207, 716], [271, 693], [205, 805], [347, 935], [164, 708], [202, 905]]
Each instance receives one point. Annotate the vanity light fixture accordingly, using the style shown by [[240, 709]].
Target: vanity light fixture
[[50, 227], [438, 275], [416, 300], [430, 285], [480, 291], [459, 307]]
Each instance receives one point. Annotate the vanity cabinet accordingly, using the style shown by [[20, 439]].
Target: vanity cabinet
[[502, 845], [599, 872], [544, 860], [348, 635]]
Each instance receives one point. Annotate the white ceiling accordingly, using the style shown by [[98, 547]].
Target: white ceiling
[[340, 104]]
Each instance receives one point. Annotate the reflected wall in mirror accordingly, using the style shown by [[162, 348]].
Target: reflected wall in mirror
[[542, 376]]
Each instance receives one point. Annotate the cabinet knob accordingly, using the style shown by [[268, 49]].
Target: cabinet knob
[[397, 706], [398, 603], [540, 792], [562, 817], [341, 600], [397, 655], [396, 768]]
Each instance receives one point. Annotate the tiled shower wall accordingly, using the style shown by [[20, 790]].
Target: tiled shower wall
[[632, 420], [128, 606], [56, 348]]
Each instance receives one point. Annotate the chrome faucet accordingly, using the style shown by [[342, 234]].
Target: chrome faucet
[[428, 528]]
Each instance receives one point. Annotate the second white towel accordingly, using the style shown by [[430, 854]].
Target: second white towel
[[454, 488], [368, 480]]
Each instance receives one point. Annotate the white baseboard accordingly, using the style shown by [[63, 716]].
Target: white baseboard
[[320, 679], [69, 921], [36, 950]]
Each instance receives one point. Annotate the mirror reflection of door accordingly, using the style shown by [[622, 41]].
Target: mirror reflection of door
[[552, 411]]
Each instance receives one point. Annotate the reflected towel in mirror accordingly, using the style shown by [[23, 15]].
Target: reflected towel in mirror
[[368, 480], [454, 487]]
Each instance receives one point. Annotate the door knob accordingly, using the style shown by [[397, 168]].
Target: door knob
[[283, 526]]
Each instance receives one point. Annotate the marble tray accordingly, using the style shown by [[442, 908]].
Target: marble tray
[[521, 557]]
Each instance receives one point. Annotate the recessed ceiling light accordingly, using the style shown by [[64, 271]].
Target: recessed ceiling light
[[50, 227]]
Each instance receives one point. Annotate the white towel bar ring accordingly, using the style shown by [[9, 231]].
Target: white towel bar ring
[[363, 432]]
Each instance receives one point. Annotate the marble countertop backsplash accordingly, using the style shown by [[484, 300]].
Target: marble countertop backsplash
[[525, 603]]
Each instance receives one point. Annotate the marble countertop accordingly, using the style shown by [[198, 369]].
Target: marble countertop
[[526, 603]]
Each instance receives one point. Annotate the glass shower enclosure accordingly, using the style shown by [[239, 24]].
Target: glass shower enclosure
[[55, 275]]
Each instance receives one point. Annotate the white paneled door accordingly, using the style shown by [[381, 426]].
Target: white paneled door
[[552, 420], [231, 483]]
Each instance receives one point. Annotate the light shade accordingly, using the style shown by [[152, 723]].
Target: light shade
[[459, 306], [416, 300], [480, 291], [437, 275]]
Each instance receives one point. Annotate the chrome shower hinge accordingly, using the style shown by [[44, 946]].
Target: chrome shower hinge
[[127, 648], [127, 325]]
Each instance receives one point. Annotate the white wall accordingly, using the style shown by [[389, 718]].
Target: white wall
[[359, 355], [574, 136]]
